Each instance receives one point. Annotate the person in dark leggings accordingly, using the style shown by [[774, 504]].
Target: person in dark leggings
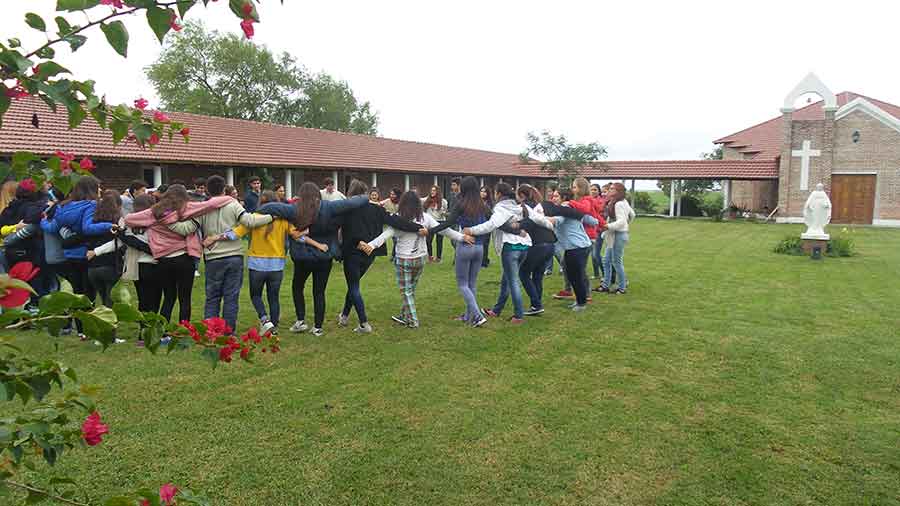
[[322, 219], [487, 197], [104, 251], [177, 274], [362, 225]]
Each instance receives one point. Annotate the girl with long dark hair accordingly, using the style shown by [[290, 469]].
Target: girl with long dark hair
[[488, 198], [411, 254], [105, 269], [468, 210], [435, 206], [362, 225]]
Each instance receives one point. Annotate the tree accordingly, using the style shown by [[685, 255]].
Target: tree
[[695, 186], [207, 72], [560, 158]]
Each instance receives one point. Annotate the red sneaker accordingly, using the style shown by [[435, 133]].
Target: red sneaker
[[564, 294], [489, 313], [516, 321]]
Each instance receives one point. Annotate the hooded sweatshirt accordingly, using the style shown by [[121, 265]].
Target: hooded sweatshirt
[[164, 241], [77, 216], [504, 211]]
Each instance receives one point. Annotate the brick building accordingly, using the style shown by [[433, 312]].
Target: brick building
[[848, 142]]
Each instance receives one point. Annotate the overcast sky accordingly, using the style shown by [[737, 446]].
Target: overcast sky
[[649, 79]]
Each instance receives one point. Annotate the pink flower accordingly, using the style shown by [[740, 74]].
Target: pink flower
[[65, 162], [173, 23], [115, 3], [216, 328], [17, 91], [92, 430], [167, 493], [185, 131], [161, 117], [247, 9], [28, 185], [153, 140], [141, 103], [145, 502], [36, 69], [247, 27], [87, 164], [193, 330], [251, 335]]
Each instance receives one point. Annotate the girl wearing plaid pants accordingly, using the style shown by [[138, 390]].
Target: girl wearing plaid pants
[[411, 255]]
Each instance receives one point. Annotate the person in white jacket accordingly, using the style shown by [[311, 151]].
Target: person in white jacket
[[411, 253], [511, 246], [620, 216]]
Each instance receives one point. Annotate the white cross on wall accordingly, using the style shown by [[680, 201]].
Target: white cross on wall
[[805, 154]]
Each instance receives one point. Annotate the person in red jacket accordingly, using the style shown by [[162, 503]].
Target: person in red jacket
[[596, 256]]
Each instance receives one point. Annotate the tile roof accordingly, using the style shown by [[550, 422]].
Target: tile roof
[[674, 169], [764, 140], [231, 142]]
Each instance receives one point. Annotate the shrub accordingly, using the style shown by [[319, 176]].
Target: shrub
[[790, 245], [712, 206], [643, 203], [842, 246], [691, 205]]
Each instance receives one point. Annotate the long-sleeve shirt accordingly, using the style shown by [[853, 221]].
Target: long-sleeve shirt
[[504, 211], [218, 222], [624, 216], [411, 244], [267, 251]]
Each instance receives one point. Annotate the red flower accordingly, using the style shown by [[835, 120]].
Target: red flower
[[92, 430], [36, 69], [17, 91], [114, 3], [193, 330], [28, 185], [245, 352], [247, 27], [247, 9], [185, 131], [167, 493], [14, 288], [225, 353], [87, 164], [173, 23], [153, 140], [145, 502], [251, 335], [161, 117], [141, 103], [216, 327]]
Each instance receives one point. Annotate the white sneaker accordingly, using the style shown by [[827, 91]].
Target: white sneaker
[[196, 274], [266, 328], [317, 332], [364, 328], [119, 341], [479, 322], [343, 320], [299, 326]]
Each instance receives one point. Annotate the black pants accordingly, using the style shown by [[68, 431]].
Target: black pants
[[149, 288], [103, 279], [355, 266], [439, 242], [531, 273], [485, 260], [76, 273], [576, 261], [320, 270], [177, 276]]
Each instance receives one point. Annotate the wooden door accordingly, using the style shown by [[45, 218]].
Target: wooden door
[[852, 199]]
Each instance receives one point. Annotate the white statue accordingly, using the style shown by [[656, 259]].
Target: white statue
[[817, 214]]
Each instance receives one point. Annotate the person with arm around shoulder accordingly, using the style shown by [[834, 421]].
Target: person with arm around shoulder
[[620, 216]]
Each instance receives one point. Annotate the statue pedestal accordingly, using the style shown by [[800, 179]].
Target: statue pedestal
[[815, 237], [810, 244]]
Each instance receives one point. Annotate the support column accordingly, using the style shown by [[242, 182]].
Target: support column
[[229, 176], [726, 193], [499, 180], [671, 198], [157, 176], [374, 180], [288, 183], [517, 184], [632, 194], [435, 181], [337, 182], [406, 182], [481, 181], [678, 207]]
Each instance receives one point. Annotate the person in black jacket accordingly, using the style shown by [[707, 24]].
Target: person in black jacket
[[104, 270], [362, 225], [27, 244]]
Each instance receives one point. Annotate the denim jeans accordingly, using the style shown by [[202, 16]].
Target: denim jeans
[[532, 272], [576, 262], [224, 277], [272, 282], [468, 263], [512, 260], [355, 266], [597, 256], [614, 257]]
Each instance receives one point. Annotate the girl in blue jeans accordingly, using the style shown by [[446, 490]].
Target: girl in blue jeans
[[512, 248], [620, 216], [469, 210]]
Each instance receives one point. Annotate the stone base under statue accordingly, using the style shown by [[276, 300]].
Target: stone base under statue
[[810, 244], [815, 237]]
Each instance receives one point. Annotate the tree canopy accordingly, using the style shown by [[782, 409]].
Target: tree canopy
[[559, 157], [219, 74]]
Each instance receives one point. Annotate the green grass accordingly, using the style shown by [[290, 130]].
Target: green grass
[[728, 375]]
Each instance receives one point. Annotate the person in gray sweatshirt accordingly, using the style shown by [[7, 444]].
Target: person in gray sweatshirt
[[224, 259]]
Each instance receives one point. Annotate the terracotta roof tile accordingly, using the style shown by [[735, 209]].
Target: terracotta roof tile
[[764, 140], [675, 169]]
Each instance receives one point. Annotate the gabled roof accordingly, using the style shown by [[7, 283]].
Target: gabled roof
[[763, 141], [230, 142], [675, 169]]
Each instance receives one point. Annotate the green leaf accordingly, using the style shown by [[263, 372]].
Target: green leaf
[[119, 130], [99, 116], [237, 7], [75, 5], [15, 61], [45, 53], [159, 21], [212, 355], [75, 41], [185, 6], [36, 22], [59, 303], [127, 313], [98, 324], [14, 42], [142, 132], [119, 500], [117, 36], [4, 104], [40, 385], [76, 116], [50, 69], [64, 27], [10, 316]]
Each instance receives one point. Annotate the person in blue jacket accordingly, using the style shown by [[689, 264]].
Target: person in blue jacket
[[74, 219]]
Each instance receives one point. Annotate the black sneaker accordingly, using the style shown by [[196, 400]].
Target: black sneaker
[[619, 291], [601, 289], [534, 311], [399, 319]]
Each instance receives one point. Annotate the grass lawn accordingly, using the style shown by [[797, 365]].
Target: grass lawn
[[727, 375]]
